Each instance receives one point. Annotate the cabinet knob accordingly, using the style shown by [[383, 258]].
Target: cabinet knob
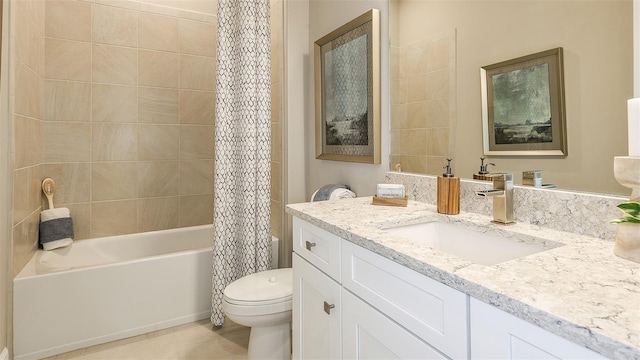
[[328, 307], [309, 245]]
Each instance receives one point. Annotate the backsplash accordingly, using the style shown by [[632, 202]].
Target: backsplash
[[576, 212]]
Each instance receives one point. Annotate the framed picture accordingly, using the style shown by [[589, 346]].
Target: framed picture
[[347, 91], [523, 110]]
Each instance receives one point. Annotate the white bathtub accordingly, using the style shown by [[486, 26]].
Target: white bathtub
[[105, 289]]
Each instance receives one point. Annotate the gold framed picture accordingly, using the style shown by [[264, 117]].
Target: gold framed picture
[[523, 106], [347, 91]]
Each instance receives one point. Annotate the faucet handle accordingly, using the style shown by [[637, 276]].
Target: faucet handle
[[506, 177], [503, 198], [502, 181]]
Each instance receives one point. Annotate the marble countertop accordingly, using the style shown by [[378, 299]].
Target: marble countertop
[[580, 290]]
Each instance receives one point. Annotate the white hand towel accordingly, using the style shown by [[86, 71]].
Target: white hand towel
[[54, 214]]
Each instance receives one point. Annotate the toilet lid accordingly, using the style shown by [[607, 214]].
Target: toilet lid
[[264, 287]]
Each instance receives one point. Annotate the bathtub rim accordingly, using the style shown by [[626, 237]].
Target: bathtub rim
[[28, 271]]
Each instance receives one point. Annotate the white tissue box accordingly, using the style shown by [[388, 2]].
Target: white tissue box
[[390, 191]]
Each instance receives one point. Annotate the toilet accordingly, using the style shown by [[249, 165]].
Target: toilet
[[263, 301]]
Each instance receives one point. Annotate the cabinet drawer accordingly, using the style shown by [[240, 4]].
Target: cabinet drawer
[[433, 311], [317, 246]]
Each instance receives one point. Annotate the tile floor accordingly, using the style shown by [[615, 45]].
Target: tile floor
[[193, 341]]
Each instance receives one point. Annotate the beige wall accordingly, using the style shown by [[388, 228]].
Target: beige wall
[[305, 22], [324, 17], [296, 77], [598, 57], [277, 206]]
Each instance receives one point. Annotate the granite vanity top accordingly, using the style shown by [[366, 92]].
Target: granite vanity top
[[580, 290]]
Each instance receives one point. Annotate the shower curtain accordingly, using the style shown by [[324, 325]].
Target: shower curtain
[[242, 182]]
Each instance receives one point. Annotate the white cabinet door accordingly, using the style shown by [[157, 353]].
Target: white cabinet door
[[425, 307], [496, 334], [368, 334], [316, 313]]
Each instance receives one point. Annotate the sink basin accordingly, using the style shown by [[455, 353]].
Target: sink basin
[[472, 245]]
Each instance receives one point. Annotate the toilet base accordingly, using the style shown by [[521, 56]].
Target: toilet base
[[270, 342]]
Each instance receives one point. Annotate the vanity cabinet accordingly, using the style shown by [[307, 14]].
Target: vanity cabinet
[[496, 334], [352, 303], [316, 320]]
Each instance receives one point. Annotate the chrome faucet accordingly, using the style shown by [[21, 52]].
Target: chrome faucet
[[502, 194]]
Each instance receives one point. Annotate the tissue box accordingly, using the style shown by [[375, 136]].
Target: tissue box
[[390, 191]]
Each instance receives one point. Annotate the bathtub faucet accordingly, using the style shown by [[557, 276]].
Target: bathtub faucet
[[502, 194]]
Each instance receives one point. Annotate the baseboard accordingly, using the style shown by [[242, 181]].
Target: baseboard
[[4, 355]]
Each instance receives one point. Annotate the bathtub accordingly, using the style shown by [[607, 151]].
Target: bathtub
[[110, 288]]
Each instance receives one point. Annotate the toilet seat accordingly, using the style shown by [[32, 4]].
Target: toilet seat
[[262, 288], [257, 310], [257, 303]]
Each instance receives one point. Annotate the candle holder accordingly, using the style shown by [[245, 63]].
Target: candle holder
[[626, 170]]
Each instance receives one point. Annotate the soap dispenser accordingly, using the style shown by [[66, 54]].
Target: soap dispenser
[[483, 174], [448, 192]]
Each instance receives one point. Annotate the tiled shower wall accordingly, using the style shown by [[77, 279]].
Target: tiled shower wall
[[121, 115], [423, 104], [26, 106], [128, 115]]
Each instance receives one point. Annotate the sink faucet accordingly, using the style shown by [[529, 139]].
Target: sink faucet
[[502, 194]]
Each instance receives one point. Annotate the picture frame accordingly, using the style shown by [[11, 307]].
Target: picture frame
[[347, 91], [523, 106]]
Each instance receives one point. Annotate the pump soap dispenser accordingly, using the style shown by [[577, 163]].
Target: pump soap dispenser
[[483, 174], [448, 192]]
